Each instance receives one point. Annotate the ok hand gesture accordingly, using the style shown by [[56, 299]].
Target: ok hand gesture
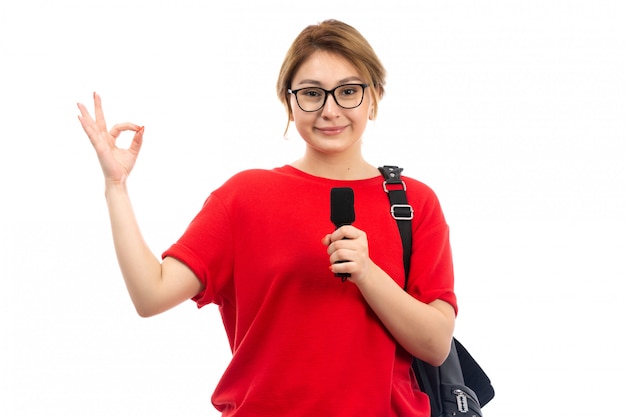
[[116, 163]]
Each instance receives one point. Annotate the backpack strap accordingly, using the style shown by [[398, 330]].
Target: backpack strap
[[400, 210]]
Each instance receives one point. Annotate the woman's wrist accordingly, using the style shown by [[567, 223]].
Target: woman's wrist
[[368, 281], [112, 188]]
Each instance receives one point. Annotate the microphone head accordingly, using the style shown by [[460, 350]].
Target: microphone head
[[341, 206]]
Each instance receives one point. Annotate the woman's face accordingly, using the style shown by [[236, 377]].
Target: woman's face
[[331, 129]]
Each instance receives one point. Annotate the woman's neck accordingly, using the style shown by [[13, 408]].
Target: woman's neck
[[336, 169]]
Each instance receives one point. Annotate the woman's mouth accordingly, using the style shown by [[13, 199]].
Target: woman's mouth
[[331, 130]]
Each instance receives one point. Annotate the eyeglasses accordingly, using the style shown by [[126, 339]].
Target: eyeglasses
[[347, 96]]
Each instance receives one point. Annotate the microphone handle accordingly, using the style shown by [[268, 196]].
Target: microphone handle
[[343, 275]]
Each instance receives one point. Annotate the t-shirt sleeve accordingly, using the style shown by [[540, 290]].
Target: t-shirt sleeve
[[206, 247], [431, 275]]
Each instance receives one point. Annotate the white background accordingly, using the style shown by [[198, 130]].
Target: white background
[[512, 111]]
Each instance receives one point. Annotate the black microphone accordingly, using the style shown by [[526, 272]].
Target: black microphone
[[342, 213]]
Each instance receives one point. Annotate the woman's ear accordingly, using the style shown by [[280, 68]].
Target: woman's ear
[[374, 102], [290, 108]]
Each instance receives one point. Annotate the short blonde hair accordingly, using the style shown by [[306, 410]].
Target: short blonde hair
[[336, 37]]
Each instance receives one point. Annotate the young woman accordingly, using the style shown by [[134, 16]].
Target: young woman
[[262, 248]]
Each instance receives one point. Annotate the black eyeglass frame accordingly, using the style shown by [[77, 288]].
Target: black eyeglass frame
[[326, 94]]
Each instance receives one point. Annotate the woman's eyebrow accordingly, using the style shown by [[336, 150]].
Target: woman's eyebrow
[[314, 82], [340, 82]]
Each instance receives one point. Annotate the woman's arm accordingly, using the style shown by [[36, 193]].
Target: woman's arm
[[425, 330], [153, 286]]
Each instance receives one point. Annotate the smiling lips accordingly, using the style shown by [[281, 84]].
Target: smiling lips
[[331, 130]]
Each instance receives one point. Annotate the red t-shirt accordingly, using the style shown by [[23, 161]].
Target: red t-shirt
[[304, 343]]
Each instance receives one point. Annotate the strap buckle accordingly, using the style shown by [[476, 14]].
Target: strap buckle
[[394, 182], [404, 211]]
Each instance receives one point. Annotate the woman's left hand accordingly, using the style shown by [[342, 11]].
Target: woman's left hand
[[348, 253]]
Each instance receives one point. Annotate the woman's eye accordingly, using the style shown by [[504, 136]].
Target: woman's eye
[[311, 93]]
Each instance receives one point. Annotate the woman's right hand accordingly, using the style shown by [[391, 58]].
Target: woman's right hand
[[116, 163]]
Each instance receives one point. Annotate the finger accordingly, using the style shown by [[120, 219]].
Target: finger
[[85, 124], [135, 145], [345, 232], [84, 117], [122, 127], [97, 103], [88, 126], [344, 267], [340, 258], [84, 112]]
